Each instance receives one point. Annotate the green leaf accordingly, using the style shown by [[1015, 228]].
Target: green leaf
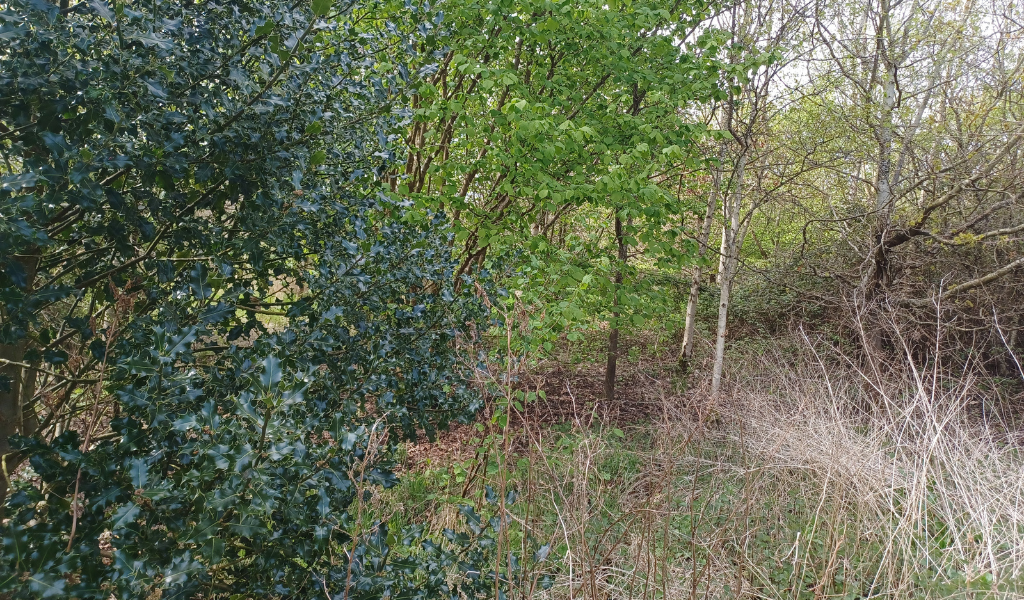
[[124, 517], [542, 553], [220, 460], [185, 423], [322, 7], [141, 366], [46, 587], [200, 282], [138, 472], [14, 183], [271, 375], [151, 39], [265, 28], [180, 343], [55, 356], [213, 549]]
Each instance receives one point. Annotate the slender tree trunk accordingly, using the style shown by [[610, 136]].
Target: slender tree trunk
[[613, 335], [723, 321], [16, 413], [878, 278], [732, 239], [723, 245], [686, 352], [620, 242]]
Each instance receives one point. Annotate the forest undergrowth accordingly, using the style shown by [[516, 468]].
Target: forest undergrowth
[[810, 477]]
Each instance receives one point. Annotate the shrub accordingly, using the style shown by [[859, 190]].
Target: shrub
[[215, 327]]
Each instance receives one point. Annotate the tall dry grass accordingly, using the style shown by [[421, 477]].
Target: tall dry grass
[[812, 478]]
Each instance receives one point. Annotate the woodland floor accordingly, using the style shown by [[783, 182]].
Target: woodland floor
[[785, 488]]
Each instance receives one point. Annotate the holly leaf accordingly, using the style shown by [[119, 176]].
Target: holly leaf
[[151, 39], [124, 516], [13, 183], [100, 8], [138, 471], [200, 282], [271, 373], [179, 343]]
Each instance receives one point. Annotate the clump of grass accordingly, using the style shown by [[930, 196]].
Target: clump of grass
[[931, 490]]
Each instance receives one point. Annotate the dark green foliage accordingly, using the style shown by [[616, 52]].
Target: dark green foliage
[[215, 326]]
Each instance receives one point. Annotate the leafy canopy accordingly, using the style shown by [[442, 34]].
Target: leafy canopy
[[547, 115]]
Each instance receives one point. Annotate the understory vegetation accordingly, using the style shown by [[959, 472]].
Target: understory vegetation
[[538, 299], [788, 489]]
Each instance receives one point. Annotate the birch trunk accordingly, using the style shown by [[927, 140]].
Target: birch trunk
[[686, 352], [731, 242]]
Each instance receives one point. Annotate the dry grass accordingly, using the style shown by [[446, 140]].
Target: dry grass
[[811, 480]]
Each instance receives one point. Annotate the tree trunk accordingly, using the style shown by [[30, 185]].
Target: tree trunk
[[16, 412], [613, 335], [879, 276], [723, 245], [732, 239], [723, 320], [686, 352]]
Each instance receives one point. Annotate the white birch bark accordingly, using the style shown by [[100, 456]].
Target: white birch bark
[[731, 251]]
